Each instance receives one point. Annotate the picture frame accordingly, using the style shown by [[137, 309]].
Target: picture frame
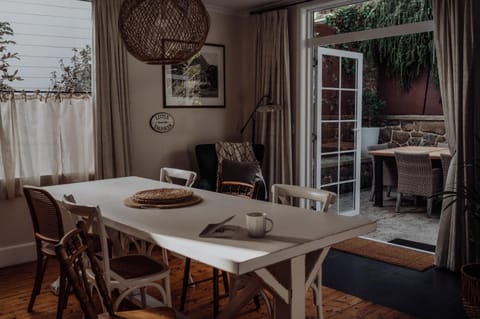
[[197, 83]]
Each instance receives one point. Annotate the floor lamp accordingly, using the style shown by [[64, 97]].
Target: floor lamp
[[260, 108]]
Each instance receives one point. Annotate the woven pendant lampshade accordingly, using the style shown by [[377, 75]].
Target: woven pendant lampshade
[[163, 31]]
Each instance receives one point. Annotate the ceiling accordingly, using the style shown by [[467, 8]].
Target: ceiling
[[241, 6]]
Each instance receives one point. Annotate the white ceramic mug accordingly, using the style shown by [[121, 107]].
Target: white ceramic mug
[[257, 224]]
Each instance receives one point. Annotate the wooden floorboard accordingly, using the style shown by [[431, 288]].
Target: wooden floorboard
[[16, 283]]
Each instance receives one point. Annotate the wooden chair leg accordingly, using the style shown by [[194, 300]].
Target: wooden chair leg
[[215, 293], [397, 206], [186, 274], [372, 193], [62, 294], [225, 282], [389, 191], [39, 273], [429, 207]]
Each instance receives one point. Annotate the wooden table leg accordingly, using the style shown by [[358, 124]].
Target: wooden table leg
[[378, 181], [296, 306]]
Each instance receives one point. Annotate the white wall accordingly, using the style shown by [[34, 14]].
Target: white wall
[[153, 150], [193, 126]]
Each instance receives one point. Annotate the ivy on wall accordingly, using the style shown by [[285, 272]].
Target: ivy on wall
[[402, 57]]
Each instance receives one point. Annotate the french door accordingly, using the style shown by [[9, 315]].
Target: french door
[[333, 146]]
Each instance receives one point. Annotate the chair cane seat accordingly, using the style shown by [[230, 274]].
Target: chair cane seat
[[135, 266]]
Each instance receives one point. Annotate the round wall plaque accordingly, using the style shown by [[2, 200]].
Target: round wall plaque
[[162, 122]]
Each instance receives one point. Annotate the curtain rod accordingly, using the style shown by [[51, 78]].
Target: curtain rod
[[294, 3]]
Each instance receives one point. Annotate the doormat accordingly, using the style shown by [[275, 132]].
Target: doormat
[[384, 252], [413, 244]]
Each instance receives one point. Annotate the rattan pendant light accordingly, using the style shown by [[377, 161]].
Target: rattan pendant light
[[163, 31]]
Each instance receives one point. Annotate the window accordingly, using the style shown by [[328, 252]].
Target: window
[[46, 126]]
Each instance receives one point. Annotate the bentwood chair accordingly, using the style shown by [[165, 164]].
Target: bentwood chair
[[239, 189], [417, 177], [127, 273], [177, 176], [48, 230], [284, 194], [77, 258], [389, 171], [168, 175]]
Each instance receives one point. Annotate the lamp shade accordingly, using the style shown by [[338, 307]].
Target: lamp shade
[[163, 31]]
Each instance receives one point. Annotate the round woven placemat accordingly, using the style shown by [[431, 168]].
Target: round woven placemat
[[158, 196], [130, 202]]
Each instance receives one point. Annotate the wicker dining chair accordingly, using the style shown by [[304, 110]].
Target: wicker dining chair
[[284, 194], [389, 171], [126, 273], [77, 258], [417, 177], [48, 230]]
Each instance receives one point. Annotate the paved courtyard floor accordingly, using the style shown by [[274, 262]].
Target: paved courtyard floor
[[411, 223]]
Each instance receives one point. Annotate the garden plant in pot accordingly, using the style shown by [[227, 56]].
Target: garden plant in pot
[[470, 273], [372, 118]]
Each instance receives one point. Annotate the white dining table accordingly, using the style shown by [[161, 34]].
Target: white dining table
[[277, 261]]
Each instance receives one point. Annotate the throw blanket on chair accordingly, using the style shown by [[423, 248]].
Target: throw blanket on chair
[[240, 152]]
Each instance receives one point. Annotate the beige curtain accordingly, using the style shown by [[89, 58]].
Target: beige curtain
[[274, 130], [457, 47], [112, 119]]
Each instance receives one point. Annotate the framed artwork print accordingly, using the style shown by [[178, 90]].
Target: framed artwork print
[[198, 82]]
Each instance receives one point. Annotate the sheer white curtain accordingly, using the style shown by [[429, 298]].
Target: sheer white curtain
[[44, 139]]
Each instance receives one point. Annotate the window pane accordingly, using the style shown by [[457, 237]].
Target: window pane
[[349, 73], [330, 105], [329, 169], [347, 141], [329, 137], [330, 71], [348, 105]]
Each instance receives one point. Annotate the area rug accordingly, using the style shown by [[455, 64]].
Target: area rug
[[387, 253], [413, 244]]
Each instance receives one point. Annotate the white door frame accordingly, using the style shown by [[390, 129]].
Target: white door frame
[[357, 120]]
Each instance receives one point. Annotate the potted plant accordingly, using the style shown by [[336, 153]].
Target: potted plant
[[372, 118]]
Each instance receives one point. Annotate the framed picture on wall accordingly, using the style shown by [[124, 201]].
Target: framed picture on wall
[[198, 82]]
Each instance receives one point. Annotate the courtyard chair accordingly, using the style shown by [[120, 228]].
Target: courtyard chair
[[284, 194], [128, 273], [417, 177], [48, 230], [77, 258], [389, 171]]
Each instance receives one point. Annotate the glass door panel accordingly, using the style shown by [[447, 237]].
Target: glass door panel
[[337, 116]]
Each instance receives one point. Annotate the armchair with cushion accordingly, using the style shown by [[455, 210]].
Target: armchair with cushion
[[208, 164]]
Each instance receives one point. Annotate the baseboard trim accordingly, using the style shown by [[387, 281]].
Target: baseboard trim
[[17, 254]]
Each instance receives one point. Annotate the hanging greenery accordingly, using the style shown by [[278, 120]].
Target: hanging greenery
[[402, 57]]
